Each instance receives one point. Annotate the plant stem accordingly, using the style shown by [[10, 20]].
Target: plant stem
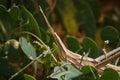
[[113, 57], [20, 70]]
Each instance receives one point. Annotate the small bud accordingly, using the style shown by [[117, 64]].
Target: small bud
[[106, 42]]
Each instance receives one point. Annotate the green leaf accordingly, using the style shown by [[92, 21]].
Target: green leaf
[[55, 49], [86, 69], [111, 34], [85, 18], [73, 72], [3, 12], [29, 77], [11, 53], [95, 7], [67, 16], [89, 73], [58, 75], [14, 13], [47, 61], [110, 74], [32, 25], [67, 71], [73, 44], [90, 47], [10, 20], [29, 50]]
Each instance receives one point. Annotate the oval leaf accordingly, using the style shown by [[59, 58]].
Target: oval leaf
[[90, 47], [32, 23], [73, 44], [111, 34], [29, 50], [89, 73], [110, 74]]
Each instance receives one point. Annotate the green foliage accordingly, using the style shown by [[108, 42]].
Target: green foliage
[[9, 21], [29, 50], [111, 34], [73, 44], [110, 74], [81, 16], [29, 77], [89, 73], [31, 23], [66, 72], [21, 20], [10, 59], [85, 18], [90, 47]]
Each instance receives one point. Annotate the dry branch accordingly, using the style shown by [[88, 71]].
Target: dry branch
[[77, 60]]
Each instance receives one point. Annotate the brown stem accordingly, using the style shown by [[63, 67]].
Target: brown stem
[[108, 60], [108, 54]]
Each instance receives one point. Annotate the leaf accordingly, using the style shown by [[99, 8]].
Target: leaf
[[110, 74], [64, 8], [111, 34], [10, 20], [85, 18], [73, 44], [14, 13], [86, 69], [73, 72], [95, 7], [0, 49], [29, 77], [66, 70], [29, 50], [32, 25], [59, 74], [55, 49], [47, 61], [50, 39], [3, 12], [90, 46], [89, 73]]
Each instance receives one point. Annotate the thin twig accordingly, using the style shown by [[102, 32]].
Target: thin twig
[[108, 60], [75, 58], [14, 75], [49, 51], [36, 59], [58, 41], [100, 58]]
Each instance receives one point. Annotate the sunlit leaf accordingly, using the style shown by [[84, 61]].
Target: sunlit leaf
[[29, 77], [64, 8]]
